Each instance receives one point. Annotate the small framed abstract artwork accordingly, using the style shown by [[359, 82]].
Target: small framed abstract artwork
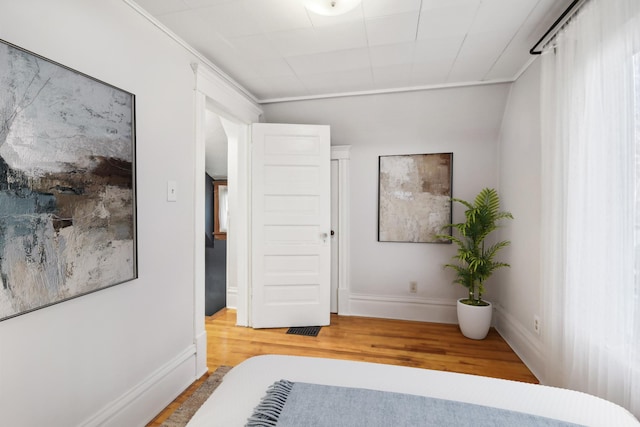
[[67, 183], [414, 197]]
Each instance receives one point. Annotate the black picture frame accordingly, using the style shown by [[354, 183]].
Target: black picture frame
[[67, 183]]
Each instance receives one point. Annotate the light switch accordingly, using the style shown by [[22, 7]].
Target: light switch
[[172, 191]]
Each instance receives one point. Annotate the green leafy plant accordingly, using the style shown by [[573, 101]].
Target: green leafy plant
[[476, 263]]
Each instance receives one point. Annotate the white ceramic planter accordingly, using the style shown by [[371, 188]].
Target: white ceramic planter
[[474, 320]]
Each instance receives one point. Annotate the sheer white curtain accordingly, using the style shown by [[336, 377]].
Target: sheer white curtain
[[591, 203]]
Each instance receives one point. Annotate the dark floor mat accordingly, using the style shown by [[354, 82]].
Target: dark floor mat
[[309, 331]]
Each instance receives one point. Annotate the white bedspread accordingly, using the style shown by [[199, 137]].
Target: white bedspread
[[243, 387]]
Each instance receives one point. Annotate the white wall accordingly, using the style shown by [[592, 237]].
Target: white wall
[[465, 121], [119, 355], [519, 287]]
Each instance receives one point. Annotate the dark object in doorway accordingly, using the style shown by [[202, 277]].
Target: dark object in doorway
[[309, 331]]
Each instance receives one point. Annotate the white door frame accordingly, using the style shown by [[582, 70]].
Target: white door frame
[[213, 93], [342, 153]]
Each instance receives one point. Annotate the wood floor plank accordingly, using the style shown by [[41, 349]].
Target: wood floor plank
[[395, 342]]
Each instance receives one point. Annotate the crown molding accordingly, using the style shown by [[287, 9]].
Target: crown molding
[[214, 68], [385, 91]]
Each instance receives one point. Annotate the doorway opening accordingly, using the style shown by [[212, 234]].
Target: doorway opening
[[224, 158], [216, 213], [236, 113]]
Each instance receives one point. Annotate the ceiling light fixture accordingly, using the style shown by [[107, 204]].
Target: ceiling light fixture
[[330, 7]]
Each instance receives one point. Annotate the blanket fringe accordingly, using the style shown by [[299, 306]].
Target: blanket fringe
[[267, 413]]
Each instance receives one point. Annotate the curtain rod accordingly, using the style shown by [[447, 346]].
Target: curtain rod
[[557, 26]]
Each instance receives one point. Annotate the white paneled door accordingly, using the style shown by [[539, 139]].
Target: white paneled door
[[291, 216]]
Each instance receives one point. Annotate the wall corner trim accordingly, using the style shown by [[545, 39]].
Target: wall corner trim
[[200, 342]]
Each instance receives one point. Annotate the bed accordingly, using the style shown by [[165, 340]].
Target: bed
[[242, 389]]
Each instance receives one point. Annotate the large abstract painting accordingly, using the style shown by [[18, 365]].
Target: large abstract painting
[[414, 197], [67, 193]]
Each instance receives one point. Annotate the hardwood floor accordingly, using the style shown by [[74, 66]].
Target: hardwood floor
[[395, 342]]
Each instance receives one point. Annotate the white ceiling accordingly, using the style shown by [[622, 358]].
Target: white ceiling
[[217, 146], [277, 50]]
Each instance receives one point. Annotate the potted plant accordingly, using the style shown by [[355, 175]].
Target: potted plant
[[475, 261]]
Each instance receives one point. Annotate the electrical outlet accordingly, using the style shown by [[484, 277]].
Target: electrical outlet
[[536, 324], [413, 287]]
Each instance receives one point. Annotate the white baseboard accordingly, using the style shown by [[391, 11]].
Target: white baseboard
[[404, 308], [144, 401], [527, 346]]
